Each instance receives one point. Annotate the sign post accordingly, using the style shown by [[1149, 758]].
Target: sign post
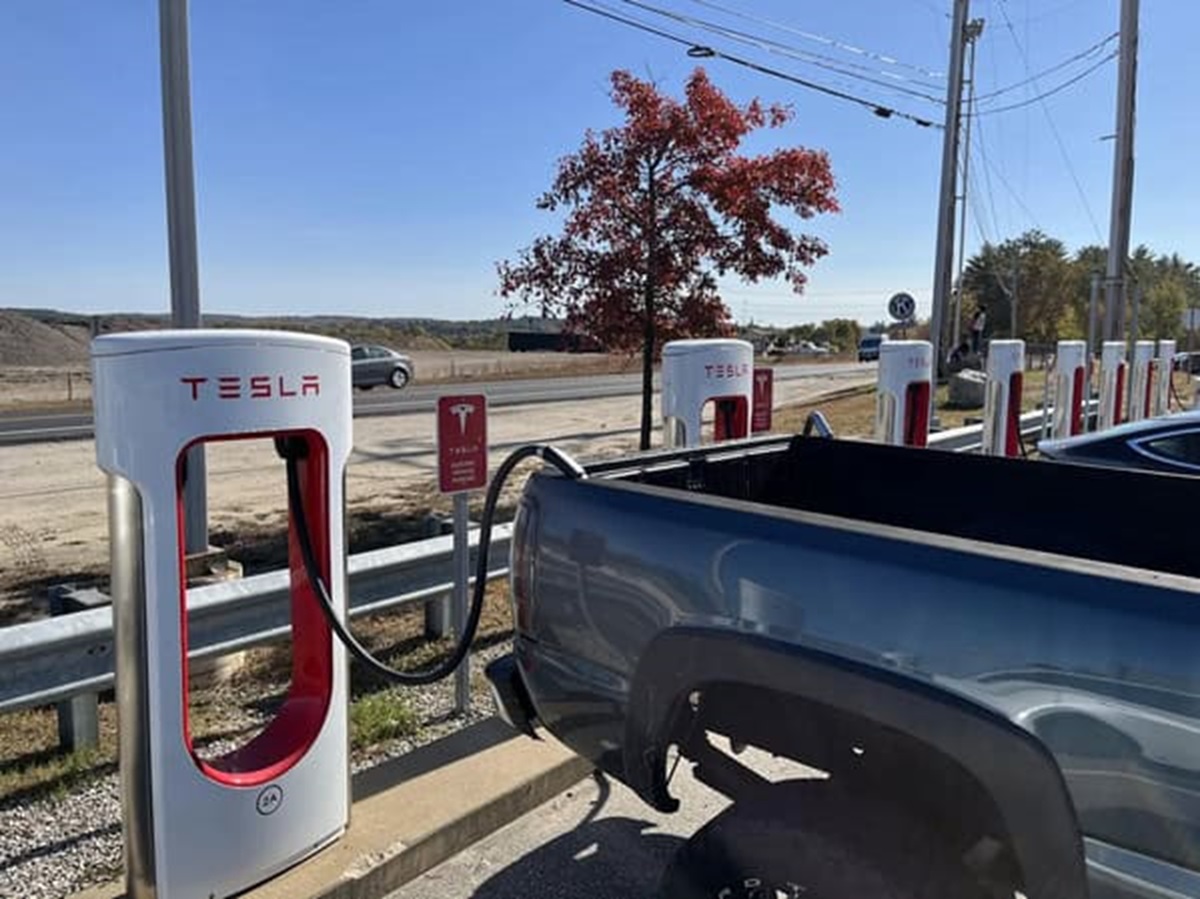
[[764, 400], [462, 467]]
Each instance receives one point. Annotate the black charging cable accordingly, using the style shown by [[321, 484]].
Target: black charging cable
[[293, 449]]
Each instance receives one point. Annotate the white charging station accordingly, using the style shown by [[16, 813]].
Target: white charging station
[[903, 394], [197, 827], [1166, 369], [697, 372], [1114, 372], [1002, 400], [1143, 380], [1070, 387]]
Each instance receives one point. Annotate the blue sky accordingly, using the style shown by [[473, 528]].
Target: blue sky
[[377, 157]]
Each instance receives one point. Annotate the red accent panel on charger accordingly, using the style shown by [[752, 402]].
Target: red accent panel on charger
[[1077, 401], [1120, 406], [462, 442], [1148, 402], [298, 722], [764, 399], [916, 414], [731, 418], [1012, 432]]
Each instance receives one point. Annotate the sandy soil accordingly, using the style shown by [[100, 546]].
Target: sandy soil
[[52, 514]]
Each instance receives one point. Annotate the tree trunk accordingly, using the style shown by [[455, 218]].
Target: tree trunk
[[648, 368]]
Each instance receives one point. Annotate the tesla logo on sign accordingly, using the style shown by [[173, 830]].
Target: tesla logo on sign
[[254, 387], [462, 442], [764, 399]]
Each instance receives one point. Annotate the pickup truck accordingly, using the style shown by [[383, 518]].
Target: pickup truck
[[993, 664]]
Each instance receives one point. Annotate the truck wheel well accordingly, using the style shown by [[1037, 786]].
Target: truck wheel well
[[860, 756], [918, 738]]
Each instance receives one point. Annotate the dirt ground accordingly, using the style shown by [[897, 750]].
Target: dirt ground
[[53, 524]]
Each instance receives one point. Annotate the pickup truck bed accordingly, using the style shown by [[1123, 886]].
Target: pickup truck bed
[[1009, 644]]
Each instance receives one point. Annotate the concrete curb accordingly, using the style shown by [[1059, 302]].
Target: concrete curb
[[414, 812]]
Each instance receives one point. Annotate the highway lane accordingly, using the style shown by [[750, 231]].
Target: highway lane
[[30, 427]]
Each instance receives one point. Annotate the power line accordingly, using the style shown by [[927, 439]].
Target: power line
[[1083, 54], [704, 52], [822, 62], [821, 39], [1059, 88], [1041, 98], [1004, 182]]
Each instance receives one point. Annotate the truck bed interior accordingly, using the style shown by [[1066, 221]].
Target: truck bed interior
[[1120, 517]]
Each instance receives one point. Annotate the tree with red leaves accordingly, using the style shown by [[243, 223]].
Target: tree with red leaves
[[659, 207]]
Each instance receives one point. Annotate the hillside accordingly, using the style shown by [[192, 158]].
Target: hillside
[[26, 340], [45, 337]]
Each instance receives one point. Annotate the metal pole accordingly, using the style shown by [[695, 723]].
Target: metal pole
[[944, 254], [462, 577], [1122, 191], [181, 229], [974, 29], [1012, 305]]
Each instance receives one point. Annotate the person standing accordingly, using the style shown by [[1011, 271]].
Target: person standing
[[978, 322]]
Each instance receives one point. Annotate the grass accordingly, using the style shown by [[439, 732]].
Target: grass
[[378, 717]]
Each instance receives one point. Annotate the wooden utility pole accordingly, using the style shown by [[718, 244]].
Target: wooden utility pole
[[1122, 193]]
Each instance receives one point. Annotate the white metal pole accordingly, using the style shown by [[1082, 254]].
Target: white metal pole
[[462, 577], [1122, 190], [944, 256], [181, 229]]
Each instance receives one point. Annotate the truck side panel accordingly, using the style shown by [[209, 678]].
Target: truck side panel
[[1098, 662]]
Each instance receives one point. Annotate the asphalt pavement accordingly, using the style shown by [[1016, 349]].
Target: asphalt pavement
[[32, 427], [597, 840]]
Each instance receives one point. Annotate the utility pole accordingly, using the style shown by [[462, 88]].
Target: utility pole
[[973, 31], [1122, 194], [1012, 302], [181, 229], [944, 256]]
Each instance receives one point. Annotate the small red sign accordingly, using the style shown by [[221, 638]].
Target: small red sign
[[462, 442], [764, 399]]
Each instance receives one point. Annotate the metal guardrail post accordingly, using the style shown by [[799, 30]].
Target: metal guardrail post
[[438, 612], [78, 716]]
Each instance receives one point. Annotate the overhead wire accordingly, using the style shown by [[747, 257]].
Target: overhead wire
[[1058, 88], [820, 39], [703, 51], [1081, 55], [768, 45], [1041, 98]]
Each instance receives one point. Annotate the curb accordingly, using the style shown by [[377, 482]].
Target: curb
[[412, 813]]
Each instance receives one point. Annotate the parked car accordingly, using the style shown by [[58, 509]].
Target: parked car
[[1170, 444], [868, 347], [373, 366], [1005, 702]]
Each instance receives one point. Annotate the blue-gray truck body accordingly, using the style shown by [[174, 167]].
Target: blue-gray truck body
[[1011, 645]]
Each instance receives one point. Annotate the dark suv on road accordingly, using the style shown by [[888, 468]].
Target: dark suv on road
[[373, 366]]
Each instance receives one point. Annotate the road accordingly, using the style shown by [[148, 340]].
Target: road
[[596, 840], [24, 427]]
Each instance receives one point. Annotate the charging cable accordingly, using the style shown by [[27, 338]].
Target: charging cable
[[293, 449]]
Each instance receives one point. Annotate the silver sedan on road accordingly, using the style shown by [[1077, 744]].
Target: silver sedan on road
[[375, 366]]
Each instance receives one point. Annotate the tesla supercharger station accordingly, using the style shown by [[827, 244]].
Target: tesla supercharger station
[[903, 395], [1143, 380], [1113, 375], [1002, 402], [697, 372], [1166, 370], [1070, 387], [197, 827]]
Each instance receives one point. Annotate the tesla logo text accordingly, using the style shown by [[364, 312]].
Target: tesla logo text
[[254, 387], [727, 370]]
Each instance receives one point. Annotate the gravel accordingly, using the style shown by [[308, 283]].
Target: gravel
[[59, 845]]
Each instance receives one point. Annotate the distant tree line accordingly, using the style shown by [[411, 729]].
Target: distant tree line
[[1052, 288]]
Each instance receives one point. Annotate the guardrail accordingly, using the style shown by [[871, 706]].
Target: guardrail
[[969, 439], [59, 658]]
